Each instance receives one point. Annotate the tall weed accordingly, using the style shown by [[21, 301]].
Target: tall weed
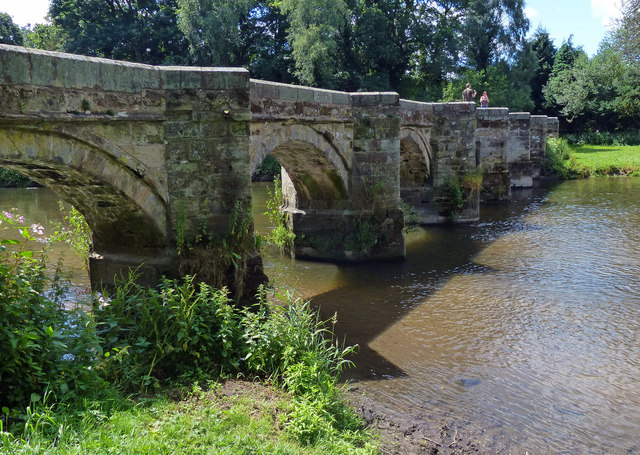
[[179, 328], [291, 345]]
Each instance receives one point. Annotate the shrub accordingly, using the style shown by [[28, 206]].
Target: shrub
[[44, 345], [561, 161], [178, 329], [10, 179], [604, 138]]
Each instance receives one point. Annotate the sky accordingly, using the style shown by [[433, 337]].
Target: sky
[[587, 20]]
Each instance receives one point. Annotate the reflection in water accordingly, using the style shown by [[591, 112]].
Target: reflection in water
[[527, 322]]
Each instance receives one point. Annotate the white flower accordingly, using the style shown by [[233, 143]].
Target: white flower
[[102, 302]]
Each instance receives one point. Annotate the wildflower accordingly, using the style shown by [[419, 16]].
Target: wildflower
[[37, 229], [7, 215], [21, 219], [102, 302]]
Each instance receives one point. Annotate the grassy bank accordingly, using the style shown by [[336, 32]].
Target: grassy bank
[[230, 417], [579, 161], [141, 370], [608, 160]]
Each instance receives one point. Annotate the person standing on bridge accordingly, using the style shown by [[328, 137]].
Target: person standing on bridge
[[484, 100], [468, 94]]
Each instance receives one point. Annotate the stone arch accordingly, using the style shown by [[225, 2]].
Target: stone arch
[[313, 164], [415, 159], [127, 216]]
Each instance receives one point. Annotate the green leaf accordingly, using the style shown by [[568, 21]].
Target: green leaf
[[49, 331]]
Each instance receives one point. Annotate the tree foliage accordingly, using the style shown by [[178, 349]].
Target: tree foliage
[[315, 26], [546, 54], [45, 36], [627, 34], [9, 31], [494, 29], [144, 31], [212, 28]]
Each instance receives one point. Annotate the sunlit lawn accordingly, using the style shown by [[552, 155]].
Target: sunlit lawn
[[609, 159]]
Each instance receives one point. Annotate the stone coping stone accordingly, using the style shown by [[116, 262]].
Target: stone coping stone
[[27, 66], [519, 115], [365, 99], [492, 113], [287, 92]]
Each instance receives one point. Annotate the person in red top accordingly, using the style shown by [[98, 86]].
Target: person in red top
[[484, 100]]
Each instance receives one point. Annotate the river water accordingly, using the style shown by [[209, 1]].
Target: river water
[[524, 326]]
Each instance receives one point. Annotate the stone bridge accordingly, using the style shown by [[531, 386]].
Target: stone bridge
[[159, 159]]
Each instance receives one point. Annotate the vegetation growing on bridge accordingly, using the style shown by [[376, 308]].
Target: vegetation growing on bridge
[[87, 379], [281, 235]]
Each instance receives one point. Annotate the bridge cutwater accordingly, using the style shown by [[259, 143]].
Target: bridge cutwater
[[153, 155]]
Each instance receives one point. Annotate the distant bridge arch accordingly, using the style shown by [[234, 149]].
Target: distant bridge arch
[[315, 166], [415, 158]]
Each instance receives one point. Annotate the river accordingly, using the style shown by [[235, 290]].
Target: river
[[523, 327]]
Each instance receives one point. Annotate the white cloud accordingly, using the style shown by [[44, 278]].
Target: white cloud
[[531, 13], [605, 9]]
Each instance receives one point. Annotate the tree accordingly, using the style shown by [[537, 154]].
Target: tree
[[267, 52], [144, 31], [212, 28], [521, 75], [545, 53], [9, 31], [494, 30], [599, 93], [45, 36], [315, 28], [627, 35], [561, 74]]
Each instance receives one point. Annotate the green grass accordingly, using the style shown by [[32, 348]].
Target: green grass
[[608, 159], [205, 422], [577, 161]]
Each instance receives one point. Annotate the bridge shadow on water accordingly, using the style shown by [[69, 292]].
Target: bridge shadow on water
[[371, 298]]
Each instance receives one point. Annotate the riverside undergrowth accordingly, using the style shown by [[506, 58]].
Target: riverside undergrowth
[[113, 378]]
